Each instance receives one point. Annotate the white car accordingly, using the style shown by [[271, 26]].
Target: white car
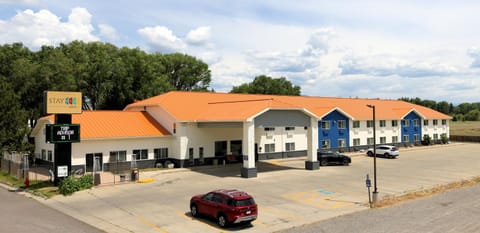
[[386, 151]]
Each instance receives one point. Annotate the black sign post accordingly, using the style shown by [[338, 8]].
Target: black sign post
[[63, 151], [368, 183]]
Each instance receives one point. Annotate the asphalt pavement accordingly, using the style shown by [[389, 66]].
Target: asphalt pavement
[[454, 211], [287, 194]]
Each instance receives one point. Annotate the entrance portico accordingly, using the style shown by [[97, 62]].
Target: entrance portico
[[279, 118]]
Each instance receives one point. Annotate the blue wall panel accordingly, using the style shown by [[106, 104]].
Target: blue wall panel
[[411, 129], [334, 133]]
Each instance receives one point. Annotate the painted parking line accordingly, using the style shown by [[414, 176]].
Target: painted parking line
[[259, 223], [326, 192], [280, 213], [189, 217], [152, 225], [319, 198]]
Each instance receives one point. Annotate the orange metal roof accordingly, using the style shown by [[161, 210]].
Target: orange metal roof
[[116, 124], [210, 106]]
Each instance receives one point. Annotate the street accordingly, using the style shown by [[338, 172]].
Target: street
[[22, 214]]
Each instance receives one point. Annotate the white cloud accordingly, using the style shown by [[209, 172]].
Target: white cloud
[[198, 36], [210, 57], [319, 42], [296, 65], [108, 31], [45, 28], [475, 54], [384, 65], [162, 39]]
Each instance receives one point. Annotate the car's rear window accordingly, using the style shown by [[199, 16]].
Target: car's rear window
[[394, 148], [245, 202]]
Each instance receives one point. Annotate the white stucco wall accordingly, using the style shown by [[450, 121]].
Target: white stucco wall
[[280, 137], [439, 129], [79, 150], [40, 143], [104, 146], [190, 136], [363, 132], [159, 114]]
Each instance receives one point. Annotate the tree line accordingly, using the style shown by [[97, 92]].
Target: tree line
[[109, 78], [460, 112]]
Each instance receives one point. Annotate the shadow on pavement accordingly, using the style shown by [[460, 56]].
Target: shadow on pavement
[[211, 222], [234, 170]]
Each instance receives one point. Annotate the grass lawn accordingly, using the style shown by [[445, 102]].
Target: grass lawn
[[465, 128], [40, 188]]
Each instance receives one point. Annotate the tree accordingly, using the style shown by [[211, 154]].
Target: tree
[[473, 115], [8, 55], [13, 123], [443, 107], [267, 85], [99, 70], [186, 73]]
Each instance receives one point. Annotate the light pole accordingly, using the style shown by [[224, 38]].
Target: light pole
[[375, 193]]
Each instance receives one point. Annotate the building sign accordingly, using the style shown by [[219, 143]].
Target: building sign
[[62, 171], [59, 102], [58, 133]]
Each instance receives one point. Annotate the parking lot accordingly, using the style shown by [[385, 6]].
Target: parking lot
[[286, 193]]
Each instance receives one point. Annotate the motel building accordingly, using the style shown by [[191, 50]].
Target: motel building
[[186, 129]]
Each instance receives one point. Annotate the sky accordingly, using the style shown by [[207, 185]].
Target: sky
[[343, 48]]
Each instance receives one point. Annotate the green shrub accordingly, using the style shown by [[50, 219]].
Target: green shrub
[[426, 140], [85, 182], [70, 184], [444, 138]]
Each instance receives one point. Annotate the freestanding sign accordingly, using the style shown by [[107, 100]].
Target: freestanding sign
[[60, 102], [62, 171], [63, 132], [60, 133]]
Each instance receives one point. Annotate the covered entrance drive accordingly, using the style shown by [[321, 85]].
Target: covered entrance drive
[[271, 118]]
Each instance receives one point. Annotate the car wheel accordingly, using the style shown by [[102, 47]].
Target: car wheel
[[193, 210], [370, 153], [222, 221], [387, 155], [345, 162], [323, 162]]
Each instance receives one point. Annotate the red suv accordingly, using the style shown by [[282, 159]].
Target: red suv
[[226, 206]]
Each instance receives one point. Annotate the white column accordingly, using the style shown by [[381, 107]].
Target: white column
[[312, 145], [248, 145], [312, 140]]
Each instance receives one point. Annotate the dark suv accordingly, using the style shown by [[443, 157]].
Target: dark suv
[[332, 157], [227, 206]]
